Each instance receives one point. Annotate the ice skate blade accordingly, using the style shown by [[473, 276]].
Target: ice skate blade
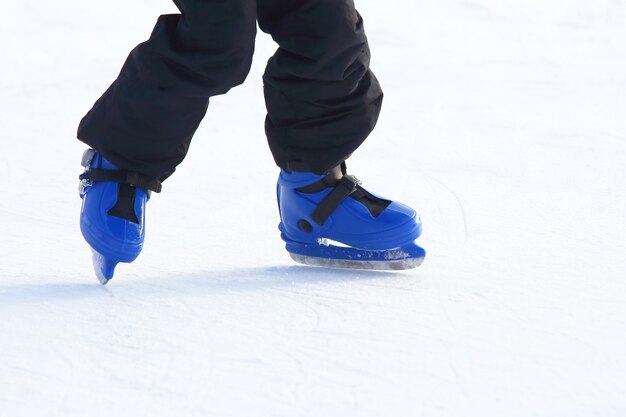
[[391, 265], [103, 267], [407, 256]]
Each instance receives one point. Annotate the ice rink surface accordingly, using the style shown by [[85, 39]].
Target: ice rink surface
[[504, 125]]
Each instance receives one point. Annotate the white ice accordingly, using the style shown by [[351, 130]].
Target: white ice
[[504, 124]]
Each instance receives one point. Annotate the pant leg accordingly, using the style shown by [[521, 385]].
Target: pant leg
[[147, 117], [322, 99]]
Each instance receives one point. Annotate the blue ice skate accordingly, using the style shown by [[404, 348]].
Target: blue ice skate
[[331, 221], [112, 216]]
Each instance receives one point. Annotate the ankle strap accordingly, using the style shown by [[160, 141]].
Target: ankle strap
[[134, 179]]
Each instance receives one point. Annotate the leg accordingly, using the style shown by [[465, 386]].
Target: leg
[[322, 99], [322, 102], [142, 126], [146, 119]]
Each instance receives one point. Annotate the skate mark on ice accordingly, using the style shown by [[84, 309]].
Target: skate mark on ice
[[458, 203], [239, 280], [33, 293], [290, 296]]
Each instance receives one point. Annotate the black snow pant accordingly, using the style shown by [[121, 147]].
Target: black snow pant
[[322, 100]]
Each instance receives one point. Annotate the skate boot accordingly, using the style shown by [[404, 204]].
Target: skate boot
[[112, 216], [331, 221]]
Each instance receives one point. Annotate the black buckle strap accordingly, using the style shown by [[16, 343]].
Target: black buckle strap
[[346, 186], [128, 182], [331, 179], [134, 179], [124, 207]]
